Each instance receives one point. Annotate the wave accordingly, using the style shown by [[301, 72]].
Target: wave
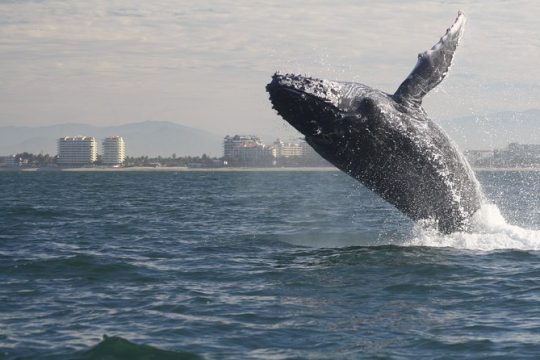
[[490, 231], [116, 348]]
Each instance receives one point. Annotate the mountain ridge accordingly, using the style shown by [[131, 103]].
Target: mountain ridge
[[164, 138], [493, 130]]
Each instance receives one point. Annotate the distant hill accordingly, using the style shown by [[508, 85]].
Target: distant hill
[[164, 138], [494, 130], [150, 138]]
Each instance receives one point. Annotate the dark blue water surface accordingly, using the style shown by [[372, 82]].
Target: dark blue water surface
[[258, 265]]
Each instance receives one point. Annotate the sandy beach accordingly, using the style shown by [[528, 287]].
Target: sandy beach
[[224, 169]]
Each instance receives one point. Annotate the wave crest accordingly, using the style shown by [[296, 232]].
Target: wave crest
[[115, 347]]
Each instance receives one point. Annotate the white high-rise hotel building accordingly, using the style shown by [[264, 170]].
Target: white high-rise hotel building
[[77, 150], [114, 150]]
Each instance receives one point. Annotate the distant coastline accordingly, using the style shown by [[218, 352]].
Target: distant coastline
[[223, 169], [175, 169]]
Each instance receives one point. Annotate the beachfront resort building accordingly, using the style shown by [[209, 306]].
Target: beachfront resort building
[[283, 149], [249, 150], [77, 150], [246, 150], [299, 148], [114, 151]]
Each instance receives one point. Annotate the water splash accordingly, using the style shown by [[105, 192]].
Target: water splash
[[490, 231]]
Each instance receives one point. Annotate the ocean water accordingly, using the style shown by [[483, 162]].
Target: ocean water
[[260, 265]]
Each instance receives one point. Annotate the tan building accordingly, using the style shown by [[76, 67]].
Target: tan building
[[289, 149], [292, 149]]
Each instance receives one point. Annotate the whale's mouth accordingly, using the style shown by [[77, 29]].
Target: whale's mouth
[[303, 102]]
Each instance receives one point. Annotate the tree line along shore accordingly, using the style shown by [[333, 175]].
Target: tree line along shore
[[30, 162], [45, 161]]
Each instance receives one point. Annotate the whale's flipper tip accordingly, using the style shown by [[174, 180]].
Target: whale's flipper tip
[[459, 25], [432, 66]]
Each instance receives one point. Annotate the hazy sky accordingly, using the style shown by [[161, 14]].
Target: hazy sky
[[205, 63]]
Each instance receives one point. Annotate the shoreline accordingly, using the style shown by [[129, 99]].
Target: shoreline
[[223, 169], [176, 169]]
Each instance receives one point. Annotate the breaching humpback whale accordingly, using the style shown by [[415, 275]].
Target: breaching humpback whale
[[386, 141]]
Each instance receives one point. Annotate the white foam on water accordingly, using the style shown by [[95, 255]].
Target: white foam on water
[[490, 231]]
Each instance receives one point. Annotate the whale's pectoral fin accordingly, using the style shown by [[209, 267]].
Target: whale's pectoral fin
[[432, 66]]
